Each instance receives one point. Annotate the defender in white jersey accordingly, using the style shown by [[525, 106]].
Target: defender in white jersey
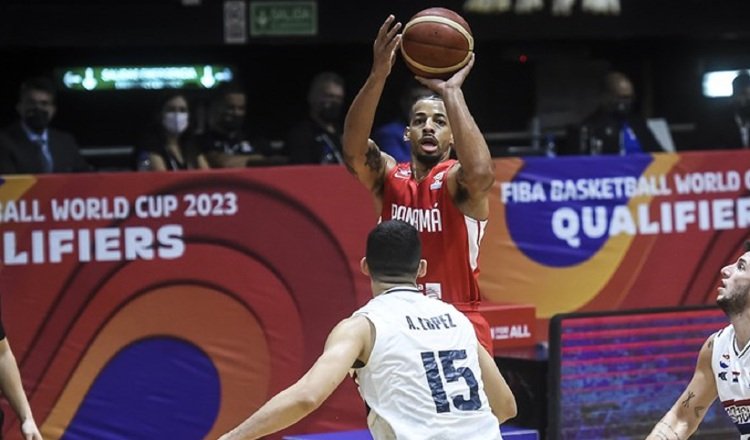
[[420, 368], [423, 378], [723, 368]]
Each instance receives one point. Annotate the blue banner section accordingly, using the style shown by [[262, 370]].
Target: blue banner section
[[549, 203]]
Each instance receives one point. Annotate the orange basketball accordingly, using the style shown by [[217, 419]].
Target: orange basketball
[[436, 42]]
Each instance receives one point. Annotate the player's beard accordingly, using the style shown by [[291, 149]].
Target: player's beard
[[429, 160], [734, 302]]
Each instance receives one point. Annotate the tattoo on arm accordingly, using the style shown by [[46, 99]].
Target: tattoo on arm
[[711, 343], [686, 402], [373, 159]]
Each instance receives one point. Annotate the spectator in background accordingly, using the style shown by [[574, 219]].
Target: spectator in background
[[317, 138], [227, 143], [614, 128], [170, 145], [728, 129], [392, 137], [31, 146]]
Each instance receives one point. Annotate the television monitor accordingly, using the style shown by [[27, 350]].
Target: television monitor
[[614, 374]]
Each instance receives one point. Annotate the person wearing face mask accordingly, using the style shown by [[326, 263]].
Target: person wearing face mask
[[615, 127], [728, 128], [317, 138], [227, 143], [30, 145], [170, 146]]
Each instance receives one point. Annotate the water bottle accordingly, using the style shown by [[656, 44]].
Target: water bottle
[[583, 140], [143, 162], [549, 145]]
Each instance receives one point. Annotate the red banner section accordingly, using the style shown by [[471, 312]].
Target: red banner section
[[171, 305]]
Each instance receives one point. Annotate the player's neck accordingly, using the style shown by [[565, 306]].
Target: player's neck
[[741, 324], [380, 287], [420, 170]]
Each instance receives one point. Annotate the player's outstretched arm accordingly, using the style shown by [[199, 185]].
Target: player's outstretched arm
[[12, 388], [470, 181], [363, 158], [681, 421], [501, 398], [344, 345]]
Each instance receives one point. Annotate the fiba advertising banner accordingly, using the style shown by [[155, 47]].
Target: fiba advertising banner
[[172, 305], [602, 233]]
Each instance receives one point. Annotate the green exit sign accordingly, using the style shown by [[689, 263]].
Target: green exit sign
[[89, 78], [292, 18]]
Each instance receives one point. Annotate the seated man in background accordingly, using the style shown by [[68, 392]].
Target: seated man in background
[[317, 138], [728, 128], [30, 145], [227, 144], [614, 128]]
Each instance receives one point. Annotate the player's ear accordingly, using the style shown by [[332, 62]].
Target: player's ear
[[364, 267], [422, 270], [406, 134]]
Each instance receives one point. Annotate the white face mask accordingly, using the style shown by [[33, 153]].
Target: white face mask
[[175, 122]]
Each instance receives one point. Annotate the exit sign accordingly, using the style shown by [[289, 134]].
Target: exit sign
[[291, 18]]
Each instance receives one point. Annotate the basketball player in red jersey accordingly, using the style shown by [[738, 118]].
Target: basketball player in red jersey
[[445, 199]]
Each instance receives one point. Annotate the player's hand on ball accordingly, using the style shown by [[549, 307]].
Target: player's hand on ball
[[439, 86]]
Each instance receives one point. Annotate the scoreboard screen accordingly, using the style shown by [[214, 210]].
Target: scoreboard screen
[[613, 375]]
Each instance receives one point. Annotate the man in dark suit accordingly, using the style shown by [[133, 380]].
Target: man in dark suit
[[614, 128], [30, 145], [729, 128]]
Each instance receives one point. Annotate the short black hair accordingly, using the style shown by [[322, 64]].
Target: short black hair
[[393, 250], [231, 88], [747, 246], [431, 97], [41, 83]]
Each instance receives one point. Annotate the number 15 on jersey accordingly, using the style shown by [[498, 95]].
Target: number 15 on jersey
[[450, 374]]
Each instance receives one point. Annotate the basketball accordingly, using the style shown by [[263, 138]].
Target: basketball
[[436, 42]]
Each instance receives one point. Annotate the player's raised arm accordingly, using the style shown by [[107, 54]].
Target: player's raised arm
[[363, 158], [681, 421], [475, 173]]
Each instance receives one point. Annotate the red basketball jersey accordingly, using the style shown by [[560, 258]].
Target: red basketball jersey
[[450, 240]]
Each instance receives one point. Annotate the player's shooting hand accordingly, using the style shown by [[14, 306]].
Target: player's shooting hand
[[384, 48], [440, 86]]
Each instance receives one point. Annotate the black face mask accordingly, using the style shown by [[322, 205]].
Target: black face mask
[[36, 119], [330, 112]]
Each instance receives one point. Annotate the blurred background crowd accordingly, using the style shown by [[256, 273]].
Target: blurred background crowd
[[192, 84]]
